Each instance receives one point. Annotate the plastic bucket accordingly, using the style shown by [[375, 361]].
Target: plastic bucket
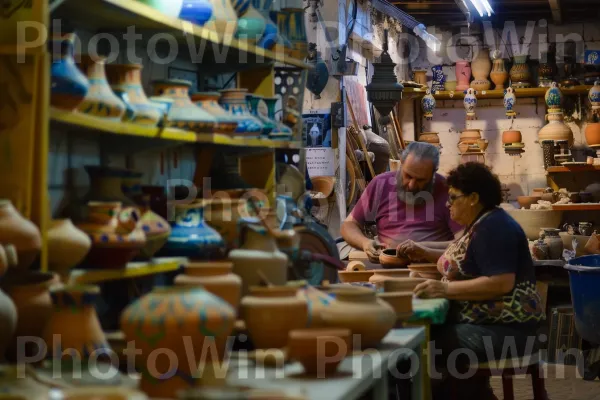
[[584, 275]]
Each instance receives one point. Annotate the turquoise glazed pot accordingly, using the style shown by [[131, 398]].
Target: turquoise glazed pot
[[271, 34], [251, 25], [191, 237], [171, 8], [281, 131], [234, 101], [253, 104], [69, 84], [196, 11]]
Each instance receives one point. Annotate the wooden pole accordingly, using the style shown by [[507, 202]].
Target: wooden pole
[[359, 138]]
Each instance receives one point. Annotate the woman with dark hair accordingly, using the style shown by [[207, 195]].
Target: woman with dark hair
[[489, 276]]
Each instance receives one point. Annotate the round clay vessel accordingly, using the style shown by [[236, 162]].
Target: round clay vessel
[[470, 136], [556, 129], [271, 313], [355, 276], [74, 305], [67, 246], [168, 318], [401, 284], [427, 270], [509, 137], [317, 301], [380, 275], [429, 137], [389, 258], [320, 351], [359, 310], [69, 85], [209, 101], [592, 134], [401, 302], [216, 277], [20, 232]]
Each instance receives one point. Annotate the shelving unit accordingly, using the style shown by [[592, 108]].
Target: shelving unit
[[495, 94], [133, 270], [573, 168], [577, 207]]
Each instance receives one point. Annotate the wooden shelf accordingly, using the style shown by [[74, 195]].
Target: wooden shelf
[[82, 122], [574, 168], [496, 94], [577, 207], [133, 270], [218, 53]]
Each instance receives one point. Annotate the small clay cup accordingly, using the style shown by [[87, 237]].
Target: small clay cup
[[320, 351], [389, 258]]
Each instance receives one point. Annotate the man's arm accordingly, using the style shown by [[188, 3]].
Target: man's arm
[[353, 235]]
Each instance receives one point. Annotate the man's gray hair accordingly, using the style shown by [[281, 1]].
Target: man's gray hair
[[422, 151]]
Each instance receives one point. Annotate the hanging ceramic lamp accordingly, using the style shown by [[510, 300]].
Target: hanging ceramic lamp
[[470, 103], [428, 105], [510, 101], [594, 97], [318, 75]]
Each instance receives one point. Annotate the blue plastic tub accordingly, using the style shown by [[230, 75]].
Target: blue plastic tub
[[584, 274]]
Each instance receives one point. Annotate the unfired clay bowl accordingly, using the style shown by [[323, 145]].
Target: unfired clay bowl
[[320, 351], [355, 276], [427, 271], [389, 258]]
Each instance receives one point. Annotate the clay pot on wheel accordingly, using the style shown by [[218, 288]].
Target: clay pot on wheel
[[402, 284], [389, 258]]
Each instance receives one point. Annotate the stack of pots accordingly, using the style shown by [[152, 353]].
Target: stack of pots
[[472, 142]]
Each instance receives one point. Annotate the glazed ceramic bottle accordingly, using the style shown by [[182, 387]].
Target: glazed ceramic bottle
[[209, 102], [554, 97], [69, 84], [281, 131], [168, 318], [196, 11], [470, 102], [67, 246], [251, 23], [510, 100], [258, 252], [428, 105], [100, 100], [270, 36], [234, 101], [254, 103], [20, 232]]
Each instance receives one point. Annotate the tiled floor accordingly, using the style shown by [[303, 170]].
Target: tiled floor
[[562, 383]]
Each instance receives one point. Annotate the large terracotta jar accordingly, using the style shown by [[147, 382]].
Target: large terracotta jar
[[100, 100], [556, 129], [270, 313], [184, 114], [126, 81], [209, 101], [216, 277], [520, 75], [67, 246], [592, 134], [224, 214], [481, 67], [224, 19], [177, 319], [191, 236], [463, 75], [30, 292], [69, 84], [258, 255], [74, 306], [8, 311], [20, 232], [116, 236], [359, 310], [234, 101]]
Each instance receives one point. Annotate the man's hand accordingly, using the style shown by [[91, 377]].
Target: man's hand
[[413, 250], [432, 289], [372, 249]]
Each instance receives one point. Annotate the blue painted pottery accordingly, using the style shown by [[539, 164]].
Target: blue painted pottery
[[234, 101], [196, 11], [253, 104], [281, 131], [271, 33], [69, 86]]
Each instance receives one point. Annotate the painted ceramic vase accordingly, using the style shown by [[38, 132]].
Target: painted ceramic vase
[[216, 277], [520, 75], [281, 131], [428, 105], [126, 81], [271, 313], [594, 97], [100, 100], [21, 233], [363, 313], [74, 305], [116, 236], [318, 75], [196, 11], [463, 75], [67, 246], [438, 79], [470, 102], [191, 237], [592, 134], [510, 100], [556, 129], [481, 68], [254, 103], [183, 113], [499, 74], [179, 319], [224, 214], [234, 101], [290, 22], [171, 8], [224, 19], [251, 23], [69, 86], [258, 252], [554, 97], [209, 101], [270, 36]]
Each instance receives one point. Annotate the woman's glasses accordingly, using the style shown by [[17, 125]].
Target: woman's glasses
[[452, 199]]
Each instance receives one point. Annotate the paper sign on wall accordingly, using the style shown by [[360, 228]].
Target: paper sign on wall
[[320, 161]]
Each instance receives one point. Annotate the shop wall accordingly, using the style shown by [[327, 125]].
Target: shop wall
[[521, 174]]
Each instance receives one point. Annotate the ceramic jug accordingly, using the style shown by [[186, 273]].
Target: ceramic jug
[[428, 105], [69, 84], [554, 97]]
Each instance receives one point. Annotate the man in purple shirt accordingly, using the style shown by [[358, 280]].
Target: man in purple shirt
[[408, 207]]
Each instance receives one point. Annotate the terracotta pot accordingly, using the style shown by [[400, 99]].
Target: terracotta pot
[[172, 317], [509, 137], [126, 81], [554, 242], [271, 313], [209, 101], [320, 351], [526, 201], [430, 137], [359, 310], [317, 301], [470, 136], [20, 232], [592, 134], [401, 302], [499, 75], [381, 275], [74, 305], [67, 246], [427, 271], [390, 259], [323, 184], [420, 77], [520, 74], [223, 215], [355, 276], [116, 237], [556, 129], [216, 277], [100, 100], [401, 284]]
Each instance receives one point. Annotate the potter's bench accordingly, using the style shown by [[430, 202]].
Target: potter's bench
[[358, 374]]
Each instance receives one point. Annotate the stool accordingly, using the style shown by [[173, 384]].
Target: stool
[[528, 365]]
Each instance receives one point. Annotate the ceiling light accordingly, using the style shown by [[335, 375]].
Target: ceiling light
[[478, 6]]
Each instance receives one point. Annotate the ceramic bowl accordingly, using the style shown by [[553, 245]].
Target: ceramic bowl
[[355, 276], [401, 284], [526, 201], [323, 184], [401, 302], [389, 259], [427, 271], [532, 220], [320, 351]]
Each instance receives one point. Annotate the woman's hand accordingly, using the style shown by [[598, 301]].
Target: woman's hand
[[432, 289], [414, 251]]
